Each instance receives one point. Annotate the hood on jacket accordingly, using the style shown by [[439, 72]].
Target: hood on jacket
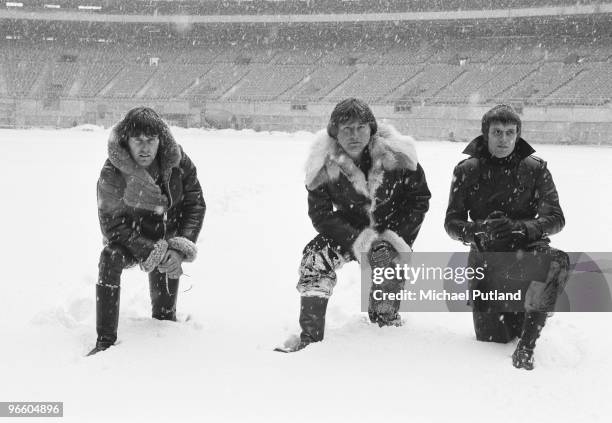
[[169, 154], [389, 150]]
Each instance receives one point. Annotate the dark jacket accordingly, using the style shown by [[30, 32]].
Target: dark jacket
[[384, 195], [520, 185], [137, 229]]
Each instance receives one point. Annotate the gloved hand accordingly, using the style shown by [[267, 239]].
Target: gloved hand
[[381, 254], [503, 233], [473, 231], [171, 264], [500, 227]]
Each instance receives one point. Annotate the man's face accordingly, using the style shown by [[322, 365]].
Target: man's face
[[353, 136], [143, 149], [502, 139]]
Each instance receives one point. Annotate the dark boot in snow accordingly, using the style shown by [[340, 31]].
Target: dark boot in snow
[[385, 312], [312, 322], [532, 327], [522, 358], [101, 345], [385, 319], [163, 296], [107, 316]]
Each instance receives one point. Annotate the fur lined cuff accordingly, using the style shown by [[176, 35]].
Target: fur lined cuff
[[184, 246], [363, 242], [155, 257], [396, 241]]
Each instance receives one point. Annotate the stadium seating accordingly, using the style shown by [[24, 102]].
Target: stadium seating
[[219, 79], [427, 83], [480, 70], [319, 83], [94, 76], [249, 7], [267, 82], [172, 79], [129, 81], [375, 82]]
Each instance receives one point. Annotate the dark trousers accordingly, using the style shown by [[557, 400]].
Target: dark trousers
[[544, 264], [163, 293], [504, 327]]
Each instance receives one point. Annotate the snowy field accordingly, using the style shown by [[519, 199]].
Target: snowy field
[[240, 294]]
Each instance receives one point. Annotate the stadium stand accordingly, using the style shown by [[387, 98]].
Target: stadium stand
[[266, 82], [128, 81], [544, 61], [218, 80], [94, 76], [453, 73], [375, 82], [170, 80], [248, 7], [426, 84], [319, 83], [592, 86]]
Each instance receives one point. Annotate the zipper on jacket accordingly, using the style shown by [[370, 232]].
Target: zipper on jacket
[[165, 221]]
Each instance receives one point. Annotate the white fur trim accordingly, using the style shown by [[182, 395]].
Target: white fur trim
[[396, 241], [322, 146], [184, 246], [389, 150], [155, 257], [363, 242]]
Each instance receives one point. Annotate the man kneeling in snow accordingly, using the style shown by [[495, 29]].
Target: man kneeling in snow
[[151, 209], [366, 194], [504, 204]]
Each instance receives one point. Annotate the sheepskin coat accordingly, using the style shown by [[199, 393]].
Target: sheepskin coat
[[521, 186], [385, 195], [136, 211]]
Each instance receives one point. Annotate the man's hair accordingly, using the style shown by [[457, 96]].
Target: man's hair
[[140, 121], [502, 113], [349, 110]]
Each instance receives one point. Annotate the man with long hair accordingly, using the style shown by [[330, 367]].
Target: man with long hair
[[151, 209]]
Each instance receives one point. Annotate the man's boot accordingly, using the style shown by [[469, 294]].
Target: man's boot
[[312, 322], [522, 358], [163, 296], [107, 316], [385, 312]]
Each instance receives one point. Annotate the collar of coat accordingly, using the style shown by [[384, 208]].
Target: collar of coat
[[478, 146], [141, 191], [169, 155], [388, 148]]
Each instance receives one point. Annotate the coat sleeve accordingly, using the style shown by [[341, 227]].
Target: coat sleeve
[[549, 219], [116, 223], [415, 205], [193, 207], [327, 221], [456, 221]]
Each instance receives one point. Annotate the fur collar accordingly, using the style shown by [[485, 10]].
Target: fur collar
[[169, 154], [389, 149], [141, 191]]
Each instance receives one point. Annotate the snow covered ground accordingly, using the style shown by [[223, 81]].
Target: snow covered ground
[[219, 366]]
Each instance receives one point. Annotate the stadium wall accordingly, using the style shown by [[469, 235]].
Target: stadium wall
[[562, 125]]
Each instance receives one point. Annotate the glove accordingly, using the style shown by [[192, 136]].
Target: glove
[[499, 227], [503, 234], [472, 231], [171, 264], [381, 254]]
